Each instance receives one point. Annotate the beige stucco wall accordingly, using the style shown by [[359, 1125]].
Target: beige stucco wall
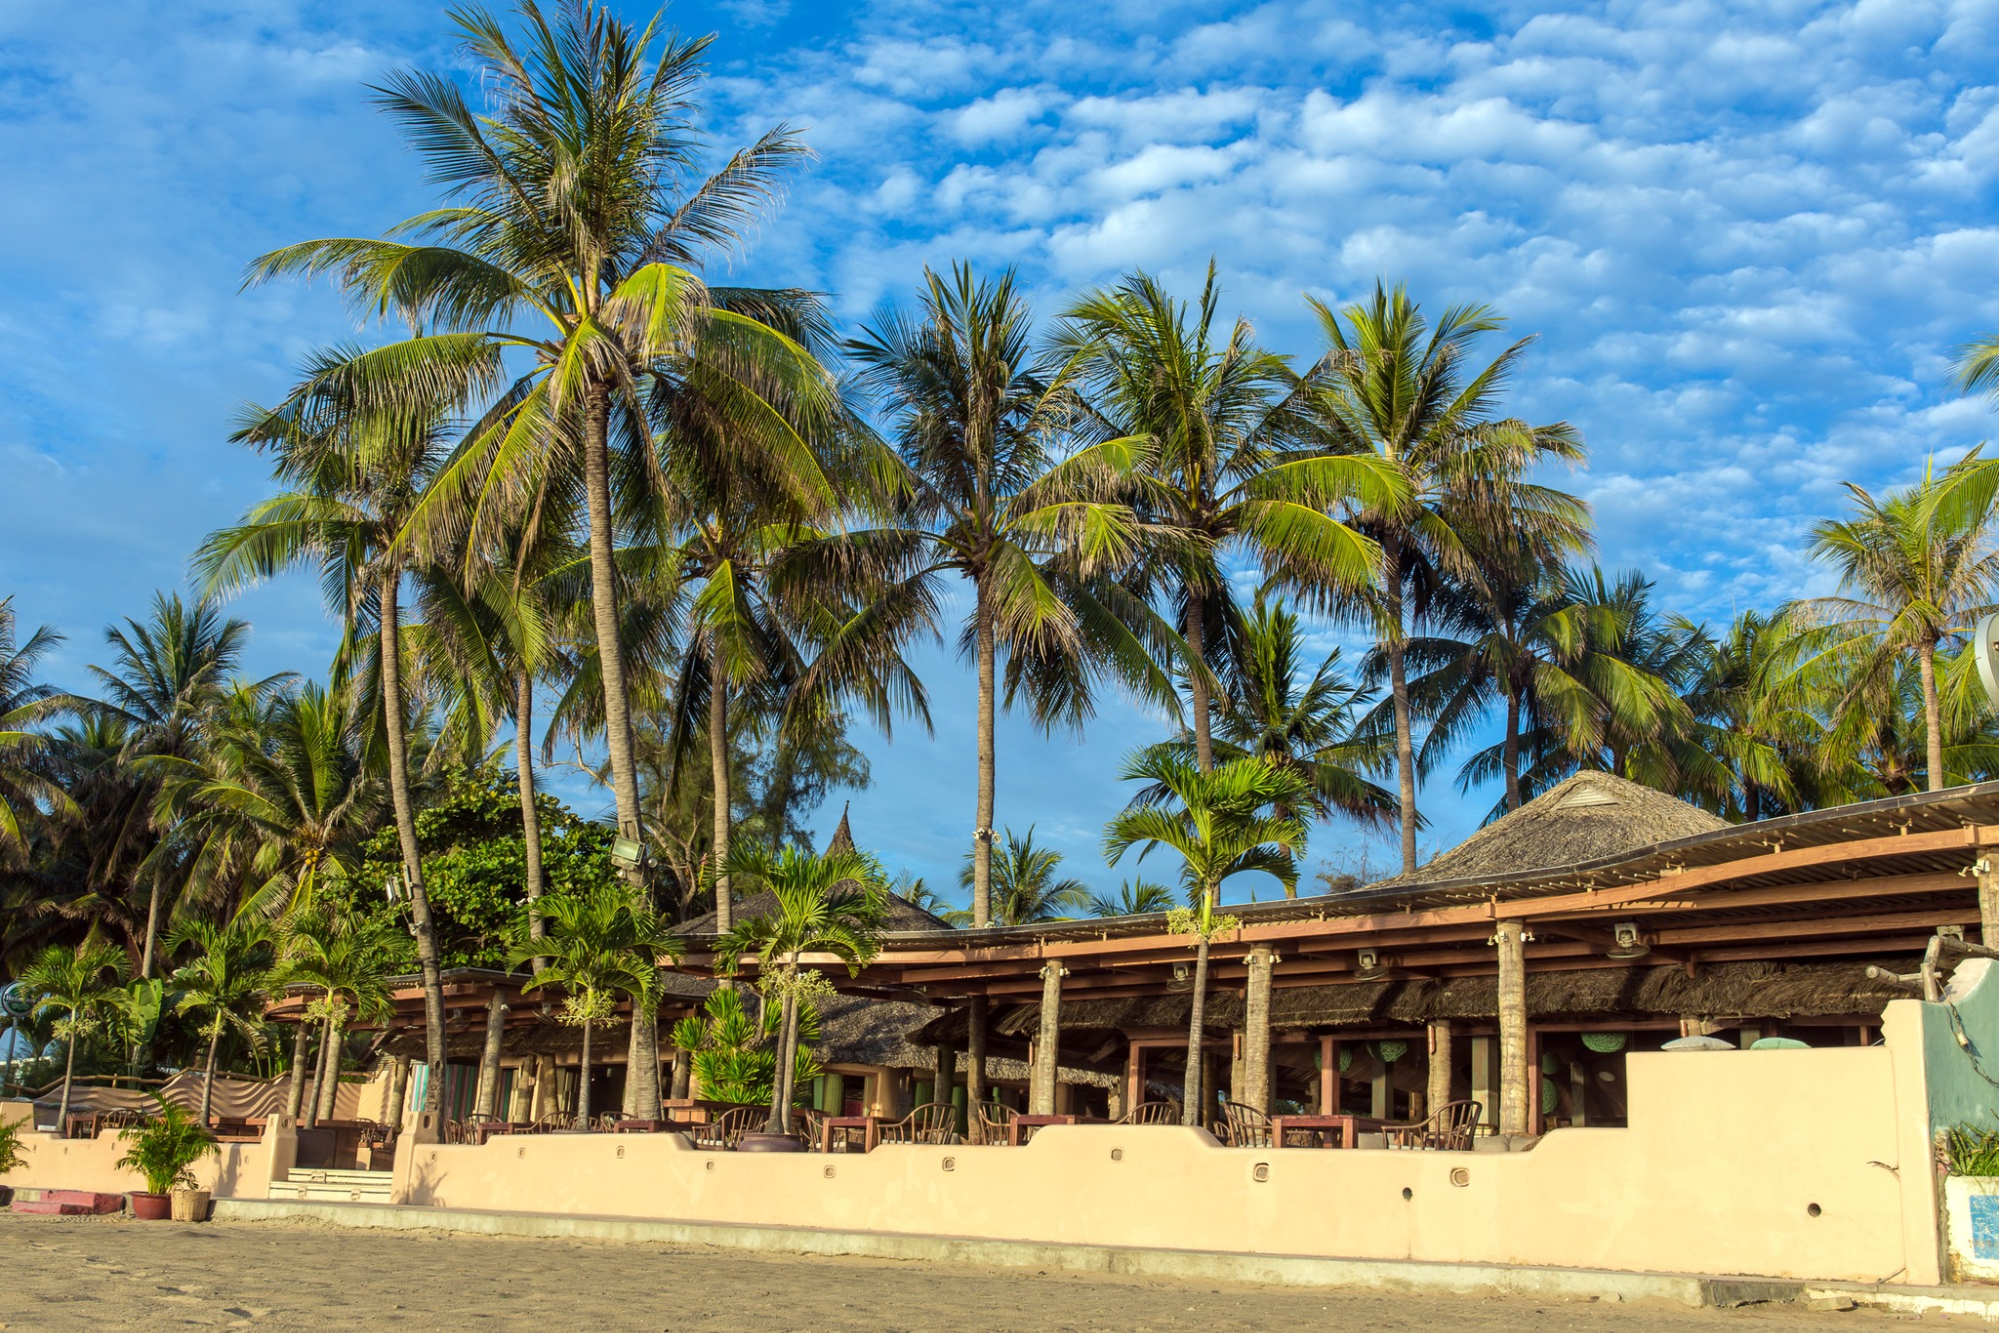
[[1726, 1155], [53, 1163]]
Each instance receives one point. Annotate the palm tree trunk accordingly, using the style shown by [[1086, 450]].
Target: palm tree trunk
[[982, 830], [1512, 749], [787, 1068], [399, 793], [718, 772], [1398, 684], [1197, 679], [604, 607], [208, 1075], [68, 1077], [1190, 1114], [530, 818], [329, 1087], [295, 1095], [1926, 664], [642, 1060], [152, 930], [583, 1083]]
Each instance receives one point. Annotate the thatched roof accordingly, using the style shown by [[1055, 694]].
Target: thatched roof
[[854, 1031], [1584, 818], [1720, 990]]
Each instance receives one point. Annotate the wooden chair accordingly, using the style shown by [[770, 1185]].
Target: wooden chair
[[807, 1123], [1246, 1127], [932, 1123], [992, 1122], [1152, 1114], [555, 1121], [1449, 1128], [727, 1130]]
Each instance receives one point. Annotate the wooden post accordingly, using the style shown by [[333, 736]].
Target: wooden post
[[1441, 1057], [1255, 1091], [1134, 1074], [1484, 1080], [1514, 1074], [544, 1103], [483, 1105], [1329, 1075], [944, 1074], [976, 1017], [1537, 1114], [1988, 902], [399, 1089], [1042, 1100]]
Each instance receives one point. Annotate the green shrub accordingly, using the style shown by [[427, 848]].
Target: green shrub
[[1971, 1152], [163, 1151], [10, 1145]]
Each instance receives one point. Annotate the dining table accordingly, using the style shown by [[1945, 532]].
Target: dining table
[[1019, 1128], [843, 1126], [1345, 1127]]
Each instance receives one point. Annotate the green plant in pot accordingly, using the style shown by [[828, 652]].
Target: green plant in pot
[[10, 1154], [164, 1152]]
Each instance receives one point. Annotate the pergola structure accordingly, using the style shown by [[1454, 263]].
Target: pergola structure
[[1600, 906]]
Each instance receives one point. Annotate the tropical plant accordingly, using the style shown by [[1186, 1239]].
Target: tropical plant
[[566, 242], [26, 785], [1026, 886], [348, 957], [1392, 387], [10, 1145], [1915, 575], [1225, 826], [1134, 898], [733, 1054], [225, 980], [981, 495], [166, 1148], [1970, 1151], [85, 983], [1228, 463], [823, 903]]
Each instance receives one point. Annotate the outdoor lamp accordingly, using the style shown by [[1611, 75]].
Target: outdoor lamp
[[627, 854], [1369, 965], [1629, 944]]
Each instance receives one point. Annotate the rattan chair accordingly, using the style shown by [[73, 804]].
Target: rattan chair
[[1246, 1127], [727, 1130], [1449, 1128], [1153, 1114], [932, 1123], [992, 1123], [808, 1123]]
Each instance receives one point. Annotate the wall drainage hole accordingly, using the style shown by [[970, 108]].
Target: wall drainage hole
[[1408, 1194], [1813, 1210]]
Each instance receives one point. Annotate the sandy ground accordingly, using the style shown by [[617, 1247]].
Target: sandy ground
[[113, 1273]]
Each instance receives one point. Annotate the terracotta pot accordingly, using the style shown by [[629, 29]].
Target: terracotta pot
[[151, 1207], [760, 1142], [190, 1206]]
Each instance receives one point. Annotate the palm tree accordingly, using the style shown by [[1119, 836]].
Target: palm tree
[[825, 903], [588, 945], [1916, 572], [226, 978], [85, 982], [566, 242], [983, 497], [1755, 743], [349, 958], [1025, 886], [1394, 388], [26, 786], [1134, 898], [1229, 470], [1226, 825], [167, 686]]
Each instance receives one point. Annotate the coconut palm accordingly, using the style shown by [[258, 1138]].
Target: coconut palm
[[981, 495], [823, 903], [589, 953], [1026, 886], [1392, 387], [567, 242], [1229, 467], [1755, 739], [226, 980], [26, 786], [1915, 575], [1134, 898], [1226, 825], [85, 983]]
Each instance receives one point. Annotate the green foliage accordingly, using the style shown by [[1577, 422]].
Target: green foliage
[[1971, 1152], [164, 1150], [734, 1053], [10, 1146], [475, 862]]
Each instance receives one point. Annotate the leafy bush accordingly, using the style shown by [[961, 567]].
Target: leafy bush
[[10, 1145], [163, 1151], [1971, 1152], [733, 1054]]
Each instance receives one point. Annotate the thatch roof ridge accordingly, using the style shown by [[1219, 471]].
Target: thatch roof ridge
[[1586, 818]]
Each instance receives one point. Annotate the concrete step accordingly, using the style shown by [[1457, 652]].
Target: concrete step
[[333, 1184], [72, 1201], [50, 1207]]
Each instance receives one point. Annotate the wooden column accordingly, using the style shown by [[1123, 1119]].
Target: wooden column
[[1255, 1090], [1441, 1057], [1329, 1075], [943, 1073], [484, 1103], [1041, 1101], [1988, 902], [399, 1091], [1513, 1070], [543, 1103], [976, 1018]]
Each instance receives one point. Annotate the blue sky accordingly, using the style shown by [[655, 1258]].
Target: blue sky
[[1748, 238]]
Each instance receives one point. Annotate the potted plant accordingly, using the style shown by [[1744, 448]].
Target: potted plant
[[163, 1152], [10, 1156]]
